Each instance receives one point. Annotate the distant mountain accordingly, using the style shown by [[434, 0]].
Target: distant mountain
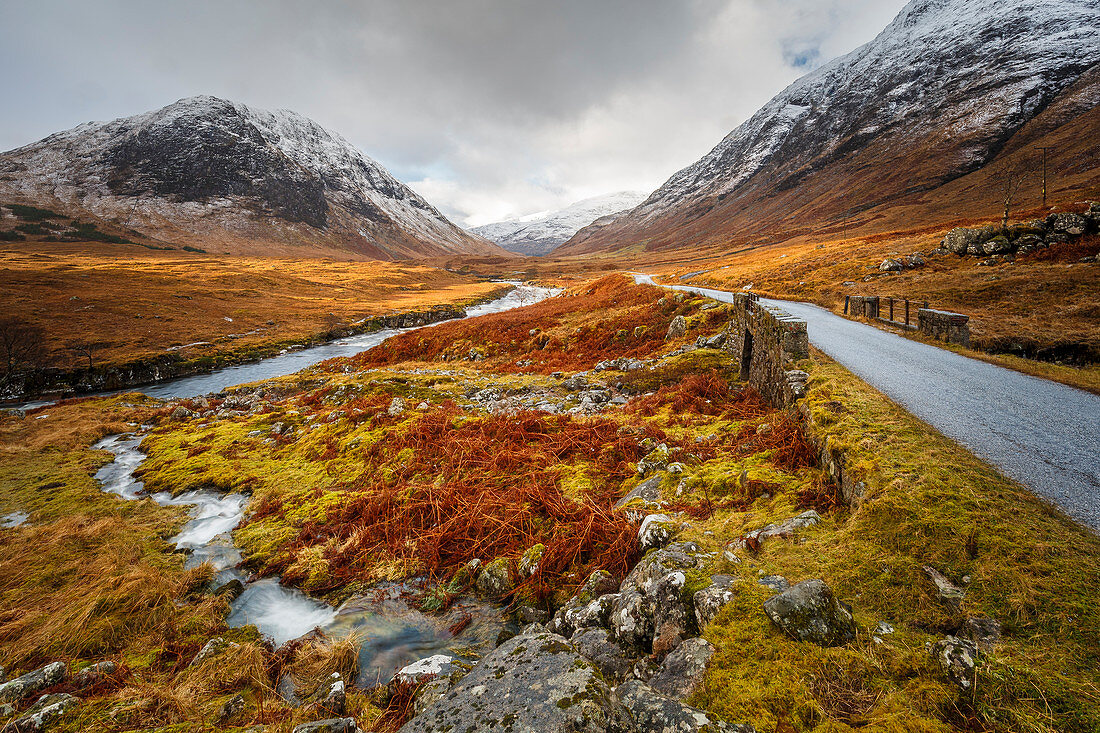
[[940, 93], [209, 172], [540, 233]]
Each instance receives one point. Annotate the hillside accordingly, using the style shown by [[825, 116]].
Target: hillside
[[540, 233], [944, 91], [225, 177]]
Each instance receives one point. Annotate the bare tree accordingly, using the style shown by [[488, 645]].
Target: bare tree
[[22, 346], [1007, 182], [85, 349]]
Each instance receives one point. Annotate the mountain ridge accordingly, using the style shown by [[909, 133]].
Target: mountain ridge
[[251, 180]]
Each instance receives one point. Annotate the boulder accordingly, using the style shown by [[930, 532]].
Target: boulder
[[495, 580], [1072, 224], [614, 661], [787, 529], [961, 240], [631, 618], [529, 563], [329, 725], [948, 592], [709, 600], [891, 265], [648, 492], [429, 668], [985, 632], [958, 658], [677, 328], [656, 460], [656, 531], [93, 674], [580, 609], [534, 682], [683, 670], [808, 611], [1029, 242], [671, 616], [212, 648], [32, 682], [396, 407], [997, 246], [42, 714], [655, 713], [230, 709]]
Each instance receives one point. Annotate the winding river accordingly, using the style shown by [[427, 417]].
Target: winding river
[[392, 632]]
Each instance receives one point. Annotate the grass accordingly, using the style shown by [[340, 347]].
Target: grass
[[929, 502], [131, 306]]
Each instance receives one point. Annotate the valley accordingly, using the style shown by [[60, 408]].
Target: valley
[[288, 447]]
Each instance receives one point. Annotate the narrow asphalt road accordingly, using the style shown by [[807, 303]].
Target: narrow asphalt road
[[1043, 434]]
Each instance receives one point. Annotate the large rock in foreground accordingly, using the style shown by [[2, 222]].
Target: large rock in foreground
[[654, 713], [532, 683], [808, 611]]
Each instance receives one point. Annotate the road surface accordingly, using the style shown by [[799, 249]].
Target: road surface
[[1043, 434]]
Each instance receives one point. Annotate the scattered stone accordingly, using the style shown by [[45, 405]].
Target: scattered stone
[[231, 590], [32, 682], [958, 659], [181, 413], [891, 265], [947, 591], [93, 674], [787, 529], [655, 713], [335, 701], [709, 600], [808, 611], [534, 682], [776, 582], [985, 632], [232, 707], [884, 629], [648, 491], [656, 460], [614, 661], [915, 260], [212, 648], [997, 245], [42, 714], [330, 725], [397, 407], [529, 563], [495, 580], [677, 328], [682, 671], [429, 668], [530, 615], [591, 606], [656, 531], [1072, 224]]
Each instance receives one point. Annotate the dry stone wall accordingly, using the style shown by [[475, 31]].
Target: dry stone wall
[[767, 342]]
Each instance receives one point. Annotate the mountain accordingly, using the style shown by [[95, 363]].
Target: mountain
[[213, 173], [538, 234], [941, 93]]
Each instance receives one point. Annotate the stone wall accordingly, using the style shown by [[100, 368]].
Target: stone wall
[[767, 342], [953, 328], [866, 306]]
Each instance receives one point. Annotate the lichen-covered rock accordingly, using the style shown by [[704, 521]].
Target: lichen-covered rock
[[431, 692], [422, 670], [656, 531], [808, 611], [774, 582], [656, 460], [42, 714], [212, 648], [631, 618], [958, 658], [614, 661], [947, 591], [709, 600], [997, 245], [647, 493], [961, 240], [329, 725], [683, 669], [677, 328], [495, 580], [533, 682], [396, 407], [32, 682], [891, 265], [230, 709], [985, 632], [93, 674], [655, 713], [787, 529], [529, 563], [671, 617], [579, 608]]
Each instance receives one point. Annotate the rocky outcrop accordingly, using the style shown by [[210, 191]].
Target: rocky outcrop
[[958, 659], [709, 600], [655, 713], [43, 714], [1022, 238], [32, 682], [682, 671], [808, 611], [536, 682], [329, 725]]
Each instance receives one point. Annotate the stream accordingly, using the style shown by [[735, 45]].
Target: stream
[[393, 633]]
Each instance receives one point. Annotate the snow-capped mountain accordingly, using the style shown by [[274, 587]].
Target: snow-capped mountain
[[936, 95], [207, 170], [538, 234]]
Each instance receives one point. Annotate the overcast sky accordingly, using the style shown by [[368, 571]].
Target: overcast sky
[[490, 109]]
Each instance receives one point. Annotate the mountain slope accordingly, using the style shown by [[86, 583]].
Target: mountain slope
[[935, 96], [205, 170], [539, 234]]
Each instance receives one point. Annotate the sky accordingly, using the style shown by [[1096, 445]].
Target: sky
[[490, 109]]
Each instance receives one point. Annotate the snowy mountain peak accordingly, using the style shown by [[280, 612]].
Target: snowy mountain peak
[[538, 234], [205, 166]]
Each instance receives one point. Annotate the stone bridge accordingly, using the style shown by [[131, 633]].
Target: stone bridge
[[767, 342]]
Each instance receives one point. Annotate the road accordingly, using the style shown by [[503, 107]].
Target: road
[[1043, 434]]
